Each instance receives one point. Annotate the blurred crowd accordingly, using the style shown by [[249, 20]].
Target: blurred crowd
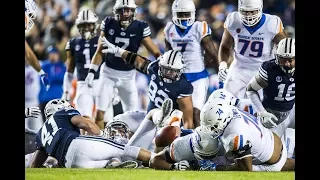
[[54, 26]]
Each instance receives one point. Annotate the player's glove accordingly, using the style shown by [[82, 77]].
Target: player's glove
[[181, 166], [32, 112], [44, 79], [207, 165], [66, 96], [267, 119], [89, 79], [223, 71], [112, 49]]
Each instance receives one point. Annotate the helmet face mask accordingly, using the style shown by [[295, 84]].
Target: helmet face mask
[[87, 30], [170, 74], [183, 13], [87, 24], [125, 11], [171, 66], [250, 11], [117, 130], [125, 15], [30, 14]]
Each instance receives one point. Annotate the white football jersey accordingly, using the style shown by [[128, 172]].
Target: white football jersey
[[188, 43], [252, 46], [181, 148], [245, 128]]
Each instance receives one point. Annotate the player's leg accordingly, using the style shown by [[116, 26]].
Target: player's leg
[[84, 100], [97, 151], [281, 128], [199, 96], [273, 167], [237, 80], [128, 94], [30, 141], [104, 99], [289, 140]]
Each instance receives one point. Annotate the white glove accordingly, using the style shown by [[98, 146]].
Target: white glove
[[267, 119], [65, 96], [223, 71], [32, 112], [89, 79], [112, 49], [181, 166]]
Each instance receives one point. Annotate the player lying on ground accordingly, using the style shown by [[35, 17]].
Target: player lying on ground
[[253, 147], [60, 138]]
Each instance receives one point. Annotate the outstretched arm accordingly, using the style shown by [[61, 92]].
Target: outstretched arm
[[32, 58], [151, 47]]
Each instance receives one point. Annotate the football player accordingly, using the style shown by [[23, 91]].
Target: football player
[[183, 150], [128, 33], [277, 80], [252, 34], [60, 138], [244, 138], [167, 79], [30, 15], [80, 50], [193, 39]]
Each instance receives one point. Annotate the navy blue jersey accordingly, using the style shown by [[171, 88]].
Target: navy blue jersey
[[57, 133], [128, 39], [279, 95], [159, 90], [82, 51]]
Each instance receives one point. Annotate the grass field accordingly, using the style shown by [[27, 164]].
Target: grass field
[[148, 174]]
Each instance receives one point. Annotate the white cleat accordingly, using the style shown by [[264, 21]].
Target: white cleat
[[166, 110]]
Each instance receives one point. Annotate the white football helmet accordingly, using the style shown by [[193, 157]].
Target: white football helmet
[[125, 11], [204, 145], [248, 18], [286, 50], [30, 14], [183, 7], [118, 131], [171, 66], [54, 105], [215, 116], [87, 24], [224, 95]]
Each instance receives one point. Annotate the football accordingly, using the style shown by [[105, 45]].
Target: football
[[166, 135]]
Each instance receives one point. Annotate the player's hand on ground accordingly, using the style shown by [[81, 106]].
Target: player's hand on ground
[[181, 166], [267, 119], [112, 49], [223, 71], [33, 112], [89, 79]]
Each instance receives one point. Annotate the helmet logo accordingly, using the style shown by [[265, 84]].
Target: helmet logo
[[222, 96], [219, 112]]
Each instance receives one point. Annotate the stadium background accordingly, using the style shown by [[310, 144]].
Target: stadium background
[[54, 25]]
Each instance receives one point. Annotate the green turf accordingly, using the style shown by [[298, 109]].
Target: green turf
[[148, 174]]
